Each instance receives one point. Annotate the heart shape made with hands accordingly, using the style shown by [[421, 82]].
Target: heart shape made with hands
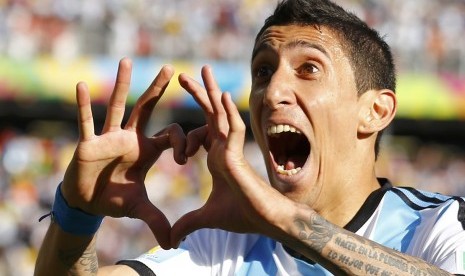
[[107, 173]]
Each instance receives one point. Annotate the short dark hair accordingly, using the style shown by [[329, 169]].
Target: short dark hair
[[369, 55]]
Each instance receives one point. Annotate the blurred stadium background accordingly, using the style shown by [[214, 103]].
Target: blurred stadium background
[[46, 46]]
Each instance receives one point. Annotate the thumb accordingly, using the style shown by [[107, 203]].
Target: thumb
[[157, 222], [185, 225]]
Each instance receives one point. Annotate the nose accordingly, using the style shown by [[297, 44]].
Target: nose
[[279, 92]]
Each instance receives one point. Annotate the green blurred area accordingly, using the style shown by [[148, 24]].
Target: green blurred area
[[431, 97]]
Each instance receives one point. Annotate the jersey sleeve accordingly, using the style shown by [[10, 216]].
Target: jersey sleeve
[[444, 243]]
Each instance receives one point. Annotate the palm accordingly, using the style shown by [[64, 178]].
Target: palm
[[123, 167], [106, 175]]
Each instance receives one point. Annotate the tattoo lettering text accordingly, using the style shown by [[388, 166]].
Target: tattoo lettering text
[[355, 255]]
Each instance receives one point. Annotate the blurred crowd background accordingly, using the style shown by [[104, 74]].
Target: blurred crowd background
[[426, 36]]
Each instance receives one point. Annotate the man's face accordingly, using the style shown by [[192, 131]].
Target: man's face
[[304, 109]]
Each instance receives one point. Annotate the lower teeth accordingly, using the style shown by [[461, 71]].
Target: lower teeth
[[281, 170]]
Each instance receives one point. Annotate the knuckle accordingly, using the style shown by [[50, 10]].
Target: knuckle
[[175, 130], [175, 127], [210, 112], [241, 127]]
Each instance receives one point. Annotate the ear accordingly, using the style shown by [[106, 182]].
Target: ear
[[378, 108]]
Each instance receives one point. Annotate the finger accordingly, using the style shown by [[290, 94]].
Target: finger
[[187, 224], [199, 94], [214, 94], [117, 104], [172, 137], [157, 222], [147, 101], [85, 119], [236, 136], [197, 138]]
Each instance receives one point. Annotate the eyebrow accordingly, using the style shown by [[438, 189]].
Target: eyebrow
[[293, 44]]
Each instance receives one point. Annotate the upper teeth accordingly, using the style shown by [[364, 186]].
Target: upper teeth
[[275, 129]]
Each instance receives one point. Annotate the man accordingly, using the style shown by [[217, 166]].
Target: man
[[322, 92]]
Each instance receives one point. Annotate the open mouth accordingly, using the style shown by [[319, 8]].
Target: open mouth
[[289, 147]]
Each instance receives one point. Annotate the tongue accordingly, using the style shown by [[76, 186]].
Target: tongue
[[289, 165], [291, 161], [294, 162]]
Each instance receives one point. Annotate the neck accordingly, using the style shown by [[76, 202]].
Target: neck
[[345, 196]]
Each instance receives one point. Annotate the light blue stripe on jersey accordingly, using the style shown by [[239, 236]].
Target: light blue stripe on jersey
[[396, 223], [314, 270], [259, 260]]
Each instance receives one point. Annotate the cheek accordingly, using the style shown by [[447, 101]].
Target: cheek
[[255, 114], [329, 118], [255, 98], [255, 106], [336, 127]]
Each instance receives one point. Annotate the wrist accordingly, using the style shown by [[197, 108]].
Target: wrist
[[73, 220]]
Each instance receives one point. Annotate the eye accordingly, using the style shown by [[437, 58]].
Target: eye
[[308, 69], [263, 71]]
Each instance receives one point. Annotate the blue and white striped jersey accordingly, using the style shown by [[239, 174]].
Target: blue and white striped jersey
[[427, 225]]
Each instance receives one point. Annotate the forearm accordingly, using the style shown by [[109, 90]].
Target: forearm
[[343, 252], [62, 253]]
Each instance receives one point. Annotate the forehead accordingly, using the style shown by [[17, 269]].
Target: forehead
[[290, 36]]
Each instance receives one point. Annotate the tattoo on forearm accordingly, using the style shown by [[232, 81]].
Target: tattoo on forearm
[[80, 260], [317, 231], [355, 255]]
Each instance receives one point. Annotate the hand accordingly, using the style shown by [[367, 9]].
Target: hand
[[106, 175], [240, 200]]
